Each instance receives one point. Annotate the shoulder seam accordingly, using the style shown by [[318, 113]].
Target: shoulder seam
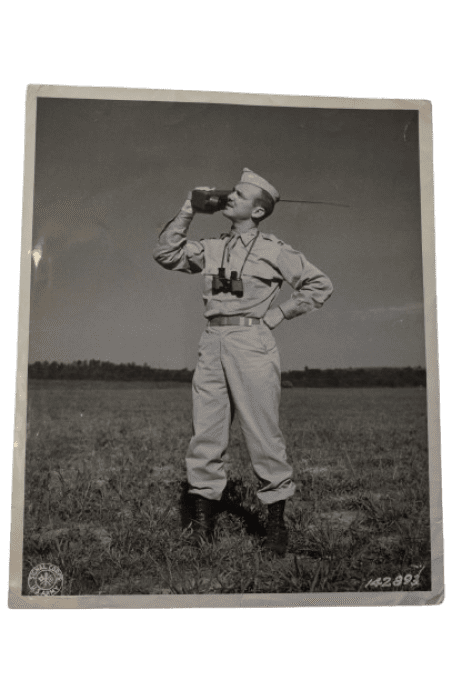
[[272, 237]]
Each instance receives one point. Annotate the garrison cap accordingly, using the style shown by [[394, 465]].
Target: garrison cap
[[250, 177]]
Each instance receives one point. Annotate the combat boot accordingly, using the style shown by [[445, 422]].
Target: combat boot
[[203, 521], [277, 534]]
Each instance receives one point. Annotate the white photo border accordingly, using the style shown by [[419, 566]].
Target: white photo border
[[436, 595]]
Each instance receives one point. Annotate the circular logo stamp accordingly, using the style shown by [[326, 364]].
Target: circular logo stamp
[[45, 579]]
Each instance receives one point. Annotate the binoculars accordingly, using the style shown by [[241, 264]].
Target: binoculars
[[209, 200], [221, 284]]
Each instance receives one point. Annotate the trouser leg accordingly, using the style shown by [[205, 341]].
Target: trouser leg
[[211, 421], [251, 362]]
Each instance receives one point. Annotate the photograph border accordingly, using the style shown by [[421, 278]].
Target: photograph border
[[436, 595]]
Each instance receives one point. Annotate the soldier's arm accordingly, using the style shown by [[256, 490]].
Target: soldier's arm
[[174, 250], [311, 286]]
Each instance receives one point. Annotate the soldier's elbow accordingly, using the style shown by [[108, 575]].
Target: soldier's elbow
[[168, 259], [159, 255]]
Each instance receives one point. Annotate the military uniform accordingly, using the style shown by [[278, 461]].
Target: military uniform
[[238, 366]]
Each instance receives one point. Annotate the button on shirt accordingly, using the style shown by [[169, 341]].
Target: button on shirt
[[270, 262]]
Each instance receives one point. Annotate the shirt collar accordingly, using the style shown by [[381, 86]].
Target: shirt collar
[[246, 237]]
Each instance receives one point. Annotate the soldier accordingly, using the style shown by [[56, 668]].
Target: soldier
[[238, 367]]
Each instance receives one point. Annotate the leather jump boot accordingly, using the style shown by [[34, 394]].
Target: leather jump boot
[[277, 534], [203, 519]]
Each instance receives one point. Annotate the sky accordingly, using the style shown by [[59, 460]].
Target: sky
[[110, 174]]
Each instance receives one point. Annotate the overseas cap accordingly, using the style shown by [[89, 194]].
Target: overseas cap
[[250, 177]]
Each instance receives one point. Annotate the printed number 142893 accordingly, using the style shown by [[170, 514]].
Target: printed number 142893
[[399, 580]]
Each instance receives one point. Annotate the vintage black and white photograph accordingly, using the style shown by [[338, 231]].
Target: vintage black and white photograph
[[230, 318]]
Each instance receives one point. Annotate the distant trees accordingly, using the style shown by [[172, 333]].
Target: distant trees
[[310, 377], [357, 377], [104, 370]]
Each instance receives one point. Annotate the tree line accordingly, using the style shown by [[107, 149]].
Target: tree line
[[309, 377], [357, 377]]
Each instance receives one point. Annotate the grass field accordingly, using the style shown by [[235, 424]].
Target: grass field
[[105, 493]]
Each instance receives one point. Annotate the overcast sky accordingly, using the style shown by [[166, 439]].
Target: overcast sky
[[110, 174]]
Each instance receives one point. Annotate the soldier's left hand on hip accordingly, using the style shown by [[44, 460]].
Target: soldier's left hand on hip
[[273, 317]]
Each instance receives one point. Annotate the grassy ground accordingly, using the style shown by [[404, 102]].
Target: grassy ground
[[105, 493]]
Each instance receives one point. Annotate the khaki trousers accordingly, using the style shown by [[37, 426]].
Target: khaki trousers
[[238, 371]]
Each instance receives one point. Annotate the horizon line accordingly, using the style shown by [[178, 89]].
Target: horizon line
[[185, 368]]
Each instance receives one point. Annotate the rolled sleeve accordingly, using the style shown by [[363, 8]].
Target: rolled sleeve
[[174, 251], [311, 286]]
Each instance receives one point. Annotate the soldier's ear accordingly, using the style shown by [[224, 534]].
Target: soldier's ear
[[258, 213]]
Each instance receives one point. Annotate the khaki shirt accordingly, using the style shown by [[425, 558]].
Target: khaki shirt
[[269, 263]]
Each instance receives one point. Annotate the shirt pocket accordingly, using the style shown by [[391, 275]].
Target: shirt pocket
[[263, 271], [213, 255]]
